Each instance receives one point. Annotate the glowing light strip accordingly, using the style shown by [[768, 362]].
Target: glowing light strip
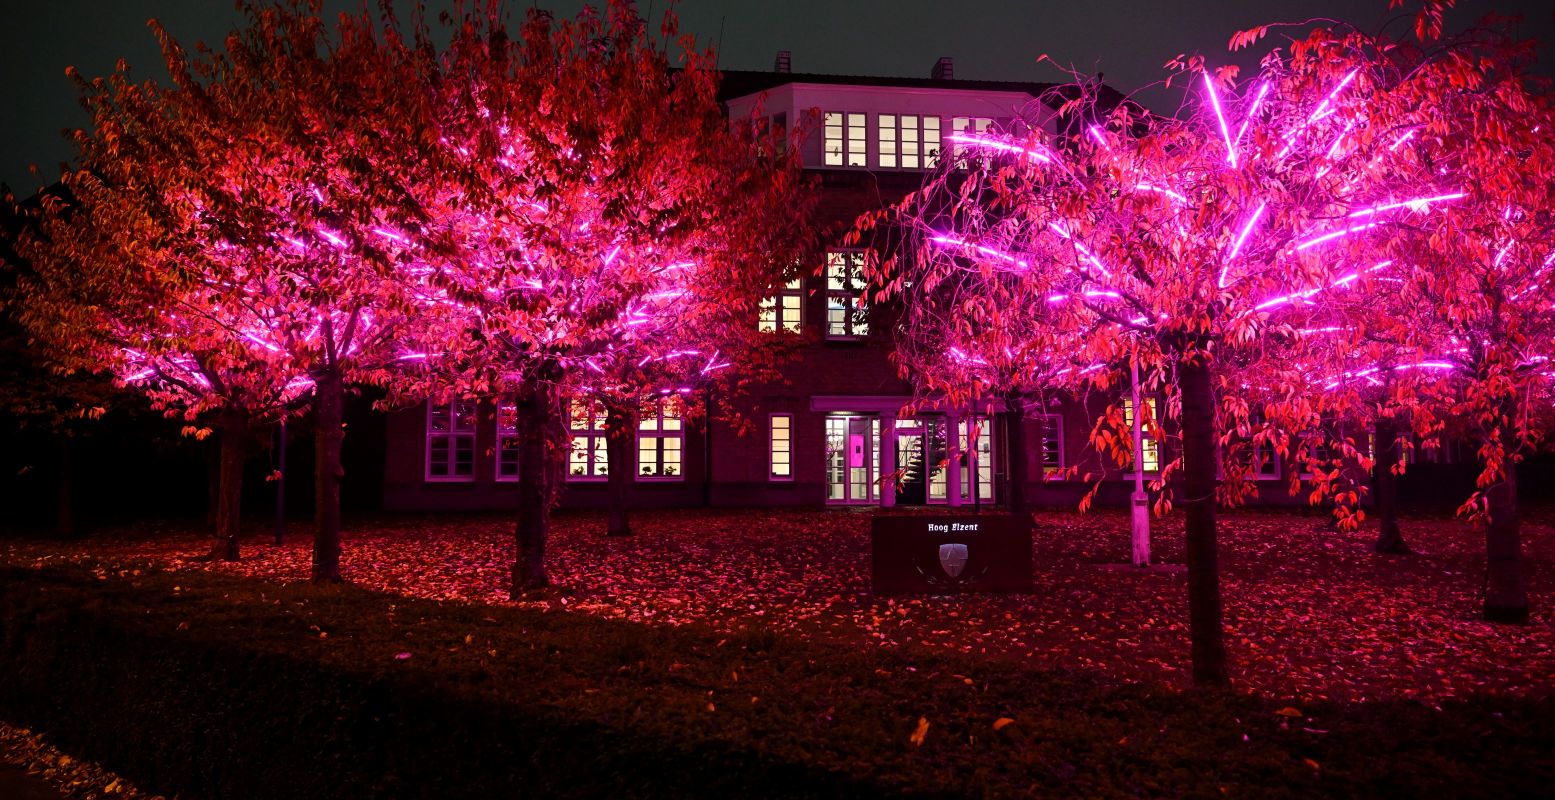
[[1417, 204], [1236, 247], [989, 143], [1081, 248], [1145, 187], [1225, 131], [1346, 280], [954, 241], [1501, 256], [1252, 112], [1317, 114], [1328, 237]]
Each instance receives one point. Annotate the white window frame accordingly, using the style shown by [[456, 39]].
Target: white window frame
[[661, 424], [594, 441], [460, 418], [783, 312], [845, 139], [1149, 444], [505, 445], [1270, 469], [787, 452], [848, 297], [971, 467], [972, 125], [1306, 473], [1051, 424], [907, 141]]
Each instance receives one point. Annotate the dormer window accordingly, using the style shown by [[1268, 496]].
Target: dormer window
[[846, 145], [968, 125], [907, 141]]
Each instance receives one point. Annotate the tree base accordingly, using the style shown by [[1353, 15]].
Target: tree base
[[620, 533], [216, 554], [1394, 548], [1507, 615], [1210, 681], [543, 592]]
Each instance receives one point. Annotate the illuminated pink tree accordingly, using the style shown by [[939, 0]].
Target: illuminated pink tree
[[596, 218], [104, 292], [1477, 283], [250, 215], [1183, 239], [976, 325]]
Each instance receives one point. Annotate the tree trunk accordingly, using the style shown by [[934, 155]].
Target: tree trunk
[[229, 504], [212, 483], [280, 480], [328, 435], [65, 508], [1015, 406], [535, 407], [1506, 587], [619, 425], [1389, 538], [1198, 452]]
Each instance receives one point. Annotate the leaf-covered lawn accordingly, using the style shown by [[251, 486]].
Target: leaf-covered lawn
[[1311, 613]]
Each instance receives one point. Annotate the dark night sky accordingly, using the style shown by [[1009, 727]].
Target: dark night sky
[[1129, 40]]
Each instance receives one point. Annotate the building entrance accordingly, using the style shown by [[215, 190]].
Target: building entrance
[[852, 459]]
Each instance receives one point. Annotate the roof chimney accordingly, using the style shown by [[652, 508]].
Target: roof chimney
[[944, 69], [781, 63]]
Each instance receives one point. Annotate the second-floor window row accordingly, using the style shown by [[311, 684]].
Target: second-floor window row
[[901, 141]]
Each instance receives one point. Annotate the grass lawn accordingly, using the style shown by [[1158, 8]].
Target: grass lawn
[[749, 638], [1311, 614]]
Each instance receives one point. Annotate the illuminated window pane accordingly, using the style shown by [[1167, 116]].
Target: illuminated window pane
[[588, 458], [847, 314], [450, 441], [780, 447], [1052, 442], [1152, 448], [660, 440], [782, 312], [507, 441]]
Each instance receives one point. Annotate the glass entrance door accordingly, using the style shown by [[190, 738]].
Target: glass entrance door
[[912, 464], [852, 459]]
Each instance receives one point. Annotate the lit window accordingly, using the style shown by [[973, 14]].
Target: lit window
[[451, 442], [1052, 443], [587, 458], [1317, 454], [975, 438], [1152, 448], [1266, 461], [784, 311], [1405, 451], [507, 441], [844, 139], [907, 141], [661, 438], [847, 315], [781, 447], [972, 125]]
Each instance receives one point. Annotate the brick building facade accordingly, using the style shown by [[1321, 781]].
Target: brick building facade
[[837, 425]]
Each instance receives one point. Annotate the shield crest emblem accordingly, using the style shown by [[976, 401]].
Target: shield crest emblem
[[952, 559]]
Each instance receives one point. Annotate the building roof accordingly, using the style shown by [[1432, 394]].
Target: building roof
[[740, 83]]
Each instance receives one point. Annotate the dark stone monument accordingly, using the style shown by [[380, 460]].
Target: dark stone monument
[[950, 555]]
